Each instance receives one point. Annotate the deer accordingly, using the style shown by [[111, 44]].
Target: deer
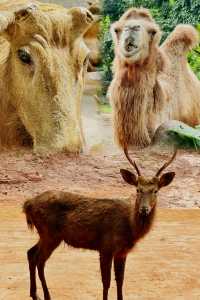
[[110, 226]]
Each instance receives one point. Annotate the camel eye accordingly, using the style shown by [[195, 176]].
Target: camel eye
[[152, 32], [86, 60], [117, 30], [24, 56]]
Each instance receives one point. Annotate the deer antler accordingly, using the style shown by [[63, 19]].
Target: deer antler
[[166, 164], [133, 163]]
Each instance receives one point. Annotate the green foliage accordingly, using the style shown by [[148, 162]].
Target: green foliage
[[114, 9], [167, 13], [194, 61], [185, 136], [107, 50]]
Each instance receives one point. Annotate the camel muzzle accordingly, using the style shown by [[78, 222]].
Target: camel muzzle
[[130, 44]]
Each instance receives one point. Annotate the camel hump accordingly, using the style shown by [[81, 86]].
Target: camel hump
[[181, 40]]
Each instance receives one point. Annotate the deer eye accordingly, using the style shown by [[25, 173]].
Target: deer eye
[[24, 56], [155, 192]]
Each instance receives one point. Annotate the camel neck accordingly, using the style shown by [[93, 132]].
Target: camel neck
[[134, 75]]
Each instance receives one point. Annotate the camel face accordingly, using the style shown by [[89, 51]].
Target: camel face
[[134, 41], [45, 70], [134, 35]]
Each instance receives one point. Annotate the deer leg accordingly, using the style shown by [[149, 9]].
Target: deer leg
[[105, 264], [32, 255], [45, 252], [119, 267]]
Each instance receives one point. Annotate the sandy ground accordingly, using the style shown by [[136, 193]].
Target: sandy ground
[[162, 266]]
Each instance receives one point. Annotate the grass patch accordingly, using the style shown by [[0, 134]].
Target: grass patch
[[104, 108]]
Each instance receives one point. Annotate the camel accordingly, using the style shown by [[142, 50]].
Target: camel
[[43, 62], [95, 7], [92, 36], [151, 84]]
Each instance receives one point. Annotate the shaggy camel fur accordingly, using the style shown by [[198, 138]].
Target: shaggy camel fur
[[43, 60], [151, 84], [92, 36], [95, 7]]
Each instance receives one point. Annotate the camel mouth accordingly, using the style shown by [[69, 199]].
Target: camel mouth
[[130, 47], [129, 54]]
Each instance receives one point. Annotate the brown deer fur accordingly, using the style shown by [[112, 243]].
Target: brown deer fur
[[110, 226], [151, 84]]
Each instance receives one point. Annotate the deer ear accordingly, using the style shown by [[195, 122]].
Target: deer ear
[[129, 177], [166, 179]]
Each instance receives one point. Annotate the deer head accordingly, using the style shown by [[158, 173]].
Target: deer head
[[147, 188]]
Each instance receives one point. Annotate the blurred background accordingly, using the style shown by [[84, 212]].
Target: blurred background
[[68, 3]]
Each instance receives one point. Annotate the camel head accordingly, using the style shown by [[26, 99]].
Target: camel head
[[94, 7], [134, 35], [45, 69]]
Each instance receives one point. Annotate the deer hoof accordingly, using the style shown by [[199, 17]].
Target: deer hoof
[[37, 298]]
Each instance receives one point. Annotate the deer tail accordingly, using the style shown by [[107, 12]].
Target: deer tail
[[27, 209]]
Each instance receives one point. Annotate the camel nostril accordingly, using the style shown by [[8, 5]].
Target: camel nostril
[[130, 45], [129, 48]]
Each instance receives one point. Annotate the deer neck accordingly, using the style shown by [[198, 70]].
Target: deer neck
[[142, 224]]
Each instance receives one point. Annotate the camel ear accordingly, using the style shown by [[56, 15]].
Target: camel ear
[[82, 19], [115, 30], [129, 177], [8, 19], [155, 34], [26, 11]]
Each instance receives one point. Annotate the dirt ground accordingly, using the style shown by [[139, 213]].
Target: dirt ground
[[163, 266], [96, 171]]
